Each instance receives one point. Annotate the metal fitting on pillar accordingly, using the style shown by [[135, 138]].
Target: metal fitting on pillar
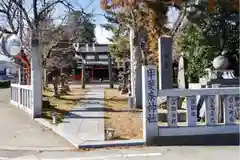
[[54, 117], [130, 100]]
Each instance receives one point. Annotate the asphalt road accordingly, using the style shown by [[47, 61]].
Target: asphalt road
[[147, 153]]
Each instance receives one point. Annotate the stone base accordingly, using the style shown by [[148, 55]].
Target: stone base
[[223, 77], [225, 82], [213, 139]]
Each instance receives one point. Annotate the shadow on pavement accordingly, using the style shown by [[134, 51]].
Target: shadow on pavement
[[96, 109], [73, 115]]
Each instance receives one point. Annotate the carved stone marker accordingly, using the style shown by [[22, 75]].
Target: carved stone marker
[[211, 112], [165, 62], [192, 111], [172, 105], [229, 109], [149, 94]]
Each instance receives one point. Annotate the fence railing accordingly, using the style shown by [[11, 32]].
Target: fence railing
[[21, 96], [227, 98], [213, 98]]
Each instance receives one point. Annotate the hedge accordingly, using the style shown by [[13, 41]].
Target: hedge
[[5, 84]]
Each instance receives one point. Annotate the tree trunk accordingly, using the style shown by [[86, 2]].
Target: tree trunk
[[110, 71], [64, 87], [62, 81], [83, 71], [45, 80], [55, 86], [136, 74]]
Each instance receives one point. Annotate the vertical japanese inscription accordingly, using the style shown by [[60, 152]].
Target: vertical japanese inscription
[[192, 110], [172, 111], [237, 102], [165, 60], [149, 88], [151, 96], [229, 109], [211, 113]]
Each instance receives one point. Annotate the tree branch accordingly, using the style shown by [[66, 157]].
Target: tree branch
[[20, 6], [48, 6]]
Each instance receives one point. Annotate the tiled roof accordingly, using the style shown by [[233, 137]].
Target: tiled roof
[[93, 48], [97, 48]]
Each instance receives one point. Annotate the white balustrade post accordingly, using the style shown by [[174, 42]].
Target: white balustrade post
[[19, 95], [19, 76], [22, 96], [172, 105], [18, 88], [211, 111], [192, 111], [36, 79], [229, 109], [149, 94]]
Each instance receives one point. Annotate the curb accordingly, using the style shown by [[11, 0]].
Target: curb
[[91, 144], [113, 143], [22, 148]]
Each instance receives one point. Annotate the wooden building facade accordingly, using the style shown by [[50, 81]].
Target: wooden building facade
[[98, 63]]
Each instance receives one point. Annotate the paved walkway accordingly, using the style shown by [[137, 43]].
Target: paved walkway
[[85, 122], [19, 132]]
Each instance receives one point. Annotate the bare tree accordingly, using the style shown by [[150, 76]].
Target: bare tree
[[32, 18]]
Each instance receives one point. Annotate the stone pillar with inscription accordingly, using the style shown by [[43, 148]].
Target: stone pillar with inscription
[[172, 105], [211, 112], [229, 109], [149, 94], [192, 111], [165, 62]]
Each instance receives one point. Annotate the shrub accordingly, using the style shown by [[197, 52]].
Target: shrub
[[5, 84]]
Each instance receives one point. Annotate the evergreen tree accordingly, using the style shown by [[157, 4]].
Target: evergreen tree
[[207, 35]]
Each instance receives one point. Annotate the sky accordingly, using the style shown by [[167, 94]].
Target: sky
[[93, 6]]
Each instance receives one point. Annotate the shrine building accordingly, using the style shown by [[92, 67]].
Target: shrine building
[[97, 60]]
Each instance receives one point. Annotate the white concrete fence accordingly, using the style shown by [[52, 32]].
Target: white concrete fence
[[21, 96], [152, 127]]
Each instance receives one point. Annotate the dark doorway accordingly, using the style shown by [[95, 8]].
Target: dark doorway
[[100, 73]]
